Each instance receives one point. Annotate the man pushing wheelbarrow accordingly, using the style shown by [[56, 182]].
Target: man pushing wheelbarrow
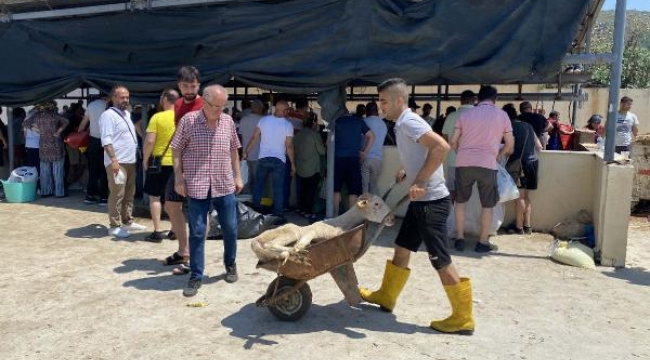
[[299, 254], [421, 152]]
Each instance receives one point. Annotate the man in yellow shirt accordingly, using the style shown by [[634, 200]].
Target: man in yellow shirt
[[160, 130]]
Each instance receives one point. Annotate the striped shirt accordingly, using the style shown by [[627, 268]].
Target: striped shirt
[[206, 161]]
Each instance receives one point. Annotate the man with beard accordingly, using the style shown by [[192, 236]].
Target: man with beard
[[120, 147], [189, 82]]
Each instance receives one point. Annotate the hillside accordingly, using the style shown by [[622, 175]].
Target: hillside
[[638, 23], [636, 57]]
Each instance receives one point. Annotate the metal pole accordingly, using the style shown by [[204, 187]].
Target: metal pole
[[615, 81], [144, 119], [574, 109], [10, 137], [329, 180], [439, 102]]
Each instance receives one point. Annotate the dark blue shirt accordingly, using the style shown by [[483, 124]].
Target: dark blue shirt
[[349, 140]]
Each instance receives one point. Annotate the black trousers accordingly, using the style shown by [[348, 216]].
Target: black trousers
[[97, 181], [307, 189]]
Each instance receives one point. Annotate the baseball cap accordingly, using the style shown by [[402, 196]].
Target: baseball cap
[[413, 104]]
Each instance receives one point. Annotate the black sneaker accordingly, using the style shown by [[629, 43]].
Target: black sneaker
[[231, 273], [459, 244], [155, 236], [171, 235], [103, 202], [192, 287], [483, 248], [527, 230], [90, 200]]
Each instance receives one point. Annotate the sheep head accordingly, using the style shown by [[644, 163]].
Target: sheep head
[[374, 209]]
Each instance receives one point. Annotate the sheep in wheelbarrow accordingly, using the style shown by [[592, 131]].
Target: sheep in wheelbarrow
[[288, 242]]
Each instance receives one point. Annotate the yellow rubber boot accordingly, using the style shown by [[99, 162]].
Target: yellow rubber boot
[[394, 280], [461, 320]]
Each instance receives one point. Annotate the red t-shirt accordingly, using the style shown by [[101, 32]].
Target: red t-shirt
[[181, 107]]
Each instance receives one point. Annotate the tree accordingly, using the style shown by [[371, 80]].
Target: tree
[[636, 55]]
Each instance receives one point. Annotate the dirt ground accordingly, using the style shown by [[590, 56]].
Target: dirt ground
[[68, 291]]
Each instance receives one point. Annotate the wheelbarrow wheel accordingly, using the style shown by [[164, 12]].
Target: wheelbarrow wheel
[[289, 303]]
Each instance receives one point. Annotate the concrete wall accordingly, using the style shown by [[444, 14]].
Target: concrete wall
[[569, 181], [566, 185], [612, 209]]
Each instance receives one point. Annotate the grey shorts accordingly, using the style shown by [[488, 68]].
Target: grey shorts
[[486, 181]]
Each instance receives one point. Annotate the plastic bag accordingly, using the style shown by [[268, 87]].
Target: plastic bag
[[120, 177], [573, 253], [243, 170], [473, 209], [250, 223], [23, 174], [507, 188]]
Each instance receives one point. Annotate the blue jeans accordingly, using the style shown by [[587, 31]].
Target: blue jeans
[[275, 167], [226, 207]]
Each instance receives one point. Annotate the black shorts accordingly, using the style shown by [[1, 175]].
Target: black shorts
[[170, 193], [155, 184], [529, 180], [486, 181], [348, 170], [426, 221]]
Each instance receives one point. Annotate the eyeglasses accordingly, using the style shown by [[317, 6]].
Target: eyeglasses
[[212, 105]]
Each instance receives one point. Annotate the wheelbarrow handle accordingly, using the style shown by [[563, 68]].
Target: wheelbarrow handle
[[381, 227]]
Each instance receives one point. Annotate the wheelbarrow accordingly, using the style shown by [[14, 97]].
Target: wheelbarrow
[[289, 297]]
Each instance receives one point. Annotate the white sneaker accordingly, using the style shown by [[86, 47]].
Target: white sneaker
[[135, 227], [118, 232]]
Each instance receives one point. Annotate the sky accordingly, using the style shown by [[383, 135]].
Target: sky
[[643, 5]]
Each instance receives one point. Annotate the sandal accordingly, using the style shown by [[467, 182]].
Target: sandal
[[182, 269], [174, 259]]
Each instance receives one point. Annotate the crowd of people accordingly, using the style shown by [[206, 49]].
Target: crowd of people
[[192, 148]]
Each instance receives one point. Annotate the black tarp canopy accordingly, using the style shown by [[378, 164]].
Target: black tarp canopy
[[299, 46]]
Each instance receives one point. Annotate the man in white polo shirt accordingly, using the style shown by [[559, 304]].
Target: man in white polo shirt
[[120, 148], [276, 134]]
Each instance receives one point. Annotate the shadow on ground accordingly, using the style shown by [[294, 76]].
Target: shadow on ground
[[252, 324], [75, 202], [153, 268], [633, 275], [91, 231]]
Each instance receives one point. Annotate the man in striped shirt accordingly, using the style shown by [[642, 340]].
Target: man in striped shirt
[[206, 168]]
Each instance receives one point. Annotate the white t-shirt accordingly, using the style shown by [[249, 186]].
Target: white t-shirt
[[408, 130], [247, 126], [32, 139], [95, 110], [624, 125], [274, 132]]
